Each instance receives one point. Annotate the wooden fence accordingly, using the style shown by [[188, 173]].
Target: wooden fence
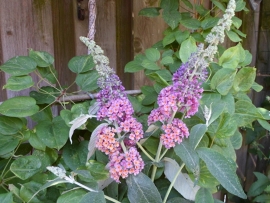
[[53, 26]]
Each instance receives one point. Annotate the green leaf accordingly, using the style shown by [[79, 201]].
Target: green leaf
[[98, 170], [26, 166], [178, 200], [219, 5], [245, 113], [188, 156], [17, 83], [264, 113], [167, 60], [36, 142], [151, 144], [169, 4], [207, 180], [95, 197], [168, 39], [222, 170], [42, 58], [233, 36], [152, 54], [21, 106], [196, 134], [204, 196], [45, 95], [257, 87], [75, 155], [259, 186], [237, 22], [72, 196], [149, 12], [244, 79], [150, 65], [47, 157], [247, 60], [19, 65], [53, 134], [142, 190], [171, 17], [81, 64], [201, 10], [10, 125], [133, 66], [6, 198], [191, 23], [209, 22], [239, 33], [226, 126], [187, 48], [7, 145], [223, 80], [183, 184], [240, 5], [155, 76], [187, 3], [236, 140], [48, 73], [231, 57], [181, 36], [262, 198], [88, 81], [264, 124]]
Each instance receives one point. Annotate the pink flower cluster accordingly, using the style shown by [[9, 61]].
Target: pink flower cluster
[[174, 133], [123, 164], [115, 107], [182, 96], [106, 141]]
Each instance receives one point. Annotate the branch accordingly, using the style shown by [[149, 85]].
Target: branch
[[90, 96]]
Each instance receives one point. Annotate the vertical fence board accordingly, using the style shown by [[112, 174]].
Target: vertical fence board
[[247, 162], [80, 27], [147, 31], [124, 39], [106, 29], [64, 39], [24, 24]]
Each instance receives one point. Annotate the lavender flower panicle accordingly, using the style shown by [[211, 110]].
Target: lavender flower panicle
[[186, 91], [115, 107]]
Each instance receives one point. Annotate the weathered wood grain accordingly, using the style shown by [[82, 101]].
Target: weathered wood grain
[[146, 32], [106, 29], [24, 25]]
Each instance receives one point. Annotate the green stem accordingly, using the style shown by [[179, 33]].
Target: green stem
[[145, 152], [119, 136], [111, 199], [172, 183], [163, 154], [157, 159]]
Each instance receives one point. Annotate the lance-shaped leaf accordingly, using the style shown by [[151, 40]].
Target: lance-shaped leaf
[[95, 197], [196, 134], [222, 170], [188, 156], [76, 123], [142, 190], [93, 139], [183, 184], [204, 196]]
